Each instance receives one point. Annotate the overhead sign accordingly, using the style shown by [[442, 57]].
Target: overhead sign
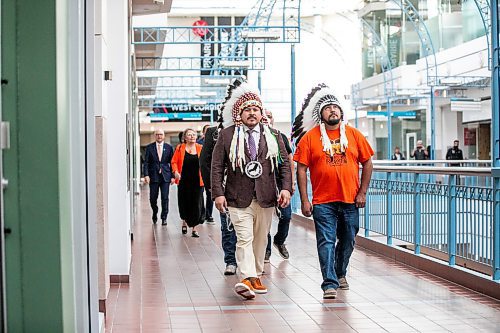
[[184, 112], [394, 114], [176, 116], [207, 49], [465, 104]]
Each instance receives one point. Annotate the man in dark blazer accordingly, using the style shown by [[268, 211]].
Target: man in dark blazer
[[250, 196], [228, 234], [158, 174]]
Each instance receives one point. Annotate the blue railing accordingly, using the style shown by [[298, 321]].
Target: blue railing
[[443, 211]]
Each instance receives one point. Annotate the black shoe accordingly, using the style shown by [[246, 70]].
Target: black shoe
[[184, 230], [163, 221], [267, 256], [282, 250], [195, 234], [155, 220]]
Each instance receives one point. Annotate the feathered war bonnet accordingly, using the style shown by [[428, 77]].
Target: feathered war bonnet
[[240, 95], [310, 116]]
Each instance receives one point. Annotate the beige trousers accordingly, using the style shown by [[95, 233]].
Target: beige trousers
[[251, 224]]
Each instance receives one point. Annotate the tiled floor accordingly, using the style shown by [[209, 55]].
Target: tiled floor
[[177, 285]]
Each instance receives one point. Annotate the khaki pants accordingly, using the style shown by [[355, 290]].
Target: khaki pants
[[251, 224]]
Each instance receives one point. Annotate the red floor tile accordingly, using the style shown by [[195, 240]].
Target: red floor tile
[[177, 285]]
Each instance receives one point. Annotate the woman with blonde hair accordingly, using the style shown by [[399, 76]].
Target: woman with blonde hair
[[186, 168]]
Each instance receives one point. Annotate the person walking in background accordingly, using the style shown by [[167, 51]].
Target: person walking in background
[[205, 170], [397, 156], [420, 153], [285, 214], [201, 139], [227, 232], [246, 154], [158, 174], [332, 151], [455, 153], [186, 168]]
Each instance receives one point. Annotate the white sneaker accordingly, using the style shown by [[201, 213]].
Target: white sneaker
[[230, 270]]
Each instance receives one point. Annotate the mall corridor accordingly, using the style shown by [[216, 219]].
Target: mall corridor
[[177, 285]]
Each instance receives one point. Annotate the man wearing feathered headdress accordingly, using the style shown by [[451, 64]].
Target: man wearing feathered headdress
[[332, 151], [248, 151]]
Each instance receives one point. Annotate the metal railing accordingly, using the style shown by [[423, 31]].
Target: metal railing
[[445, 212]]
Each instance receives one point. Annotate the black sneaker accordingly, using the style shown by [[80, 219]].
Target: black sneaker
[[268, 255], [282, 250]]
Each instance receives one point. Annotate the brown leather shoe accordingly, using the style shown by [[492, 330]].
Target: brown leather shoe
[[257, 286], [245, 289]]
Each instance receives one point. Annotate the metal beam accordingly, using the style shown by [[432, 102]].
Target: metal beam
[[198, 63], [186, 35], [483, 7], [495, 127]]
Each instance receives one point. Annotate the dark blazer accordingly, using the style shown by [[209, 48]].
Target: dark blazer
[[239, 189], [206, 155], [152, 164], [394, 157]]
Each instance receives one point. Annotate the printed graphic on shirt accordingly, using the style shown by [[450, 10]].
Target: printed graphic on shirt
[[338, 157]]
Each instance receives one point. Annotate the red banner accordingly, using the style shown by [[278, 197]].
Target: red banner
[[469, 136]]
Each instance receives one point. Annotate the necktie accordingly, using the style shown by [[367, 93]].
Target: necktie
[[159, 150], [252, 148]]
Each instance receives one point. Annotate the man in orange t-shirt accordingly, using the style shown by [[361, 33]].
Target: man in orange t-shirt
[[332, 152]]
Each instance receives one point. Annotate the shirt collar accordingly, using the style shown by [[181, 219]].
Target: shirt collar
[[256, 128]]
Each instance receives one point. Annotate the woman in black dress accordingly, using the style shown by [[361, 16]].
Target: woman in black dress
[[186, 168]]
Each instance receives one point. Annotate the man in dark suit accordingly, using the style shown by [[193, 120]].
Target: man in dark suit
[[158, 174], [228, 234], [248, 153], [455, 153]]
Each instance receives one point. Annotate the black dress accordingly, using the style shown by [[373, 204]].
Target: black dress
[[190, 193]]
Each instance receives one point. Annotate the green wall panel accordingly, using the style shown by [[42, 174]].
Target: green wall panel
[[34, 300]]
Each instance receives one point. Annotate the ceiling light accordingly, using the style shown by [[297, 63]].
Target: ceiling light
[[217, 81], [196, 102], [260, 35], [206, 93], [234, 63], [147, 96]]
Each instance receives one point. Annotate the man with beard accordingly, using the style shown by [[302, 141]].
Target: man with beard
[[332, 151], [248, 152]]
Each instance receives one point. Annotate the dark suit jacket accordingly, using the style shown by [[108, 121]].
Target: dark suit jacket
[[152, 164], [206, 155], [239, 189]]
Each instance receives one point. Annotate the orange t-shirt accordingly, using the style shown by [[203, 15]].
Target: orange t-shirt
[[333, 178]]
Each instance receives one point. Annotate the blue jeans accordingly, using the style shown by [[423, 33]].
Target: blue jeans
[[335, 220], [228, 242], [209, 204], [283, 226]]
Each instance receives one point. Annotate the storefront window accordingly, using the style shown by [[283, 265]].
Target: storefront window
[[405, 132], [449, 22]]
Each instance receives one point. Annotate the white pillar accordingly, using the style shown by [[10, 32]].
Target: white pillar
[[116, 39]]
